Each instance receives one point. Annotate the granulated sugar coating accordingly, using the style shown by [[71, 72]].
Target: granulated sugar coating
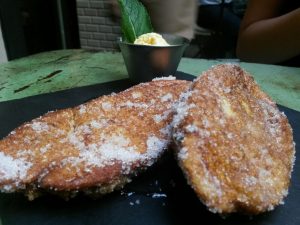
[[96, 147], [234, 146]]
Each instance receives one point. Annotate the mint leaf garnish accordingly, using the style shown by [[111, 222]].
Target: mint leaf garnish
[[135, 20]]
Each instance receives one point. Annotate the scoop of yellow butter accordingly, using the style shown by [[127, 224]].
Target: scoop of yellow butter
[[151, 39]]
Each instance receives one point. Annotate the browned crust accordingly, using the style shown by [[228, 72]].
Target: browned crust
[[95, 147], [234, 146]]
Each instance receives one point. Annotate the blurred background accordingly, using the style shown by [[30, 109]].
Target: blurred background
[[32, 26]]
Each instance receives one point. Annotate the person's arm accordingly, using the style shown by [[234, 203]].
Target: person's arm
[[266, 36]]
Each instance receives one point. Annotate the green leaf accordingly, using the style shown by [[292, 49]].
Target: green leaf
[[135, 20]]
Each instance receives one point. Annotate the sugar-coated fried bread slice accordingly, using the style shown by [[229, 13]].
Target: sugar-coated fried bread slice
[[95, 147], [234, 146]]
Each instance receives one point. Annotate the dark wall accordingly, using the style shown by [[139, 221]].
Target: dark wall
[[32, 26]]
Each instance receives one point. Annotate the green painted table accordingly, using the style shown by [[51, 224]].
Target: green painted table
[[65, 69]]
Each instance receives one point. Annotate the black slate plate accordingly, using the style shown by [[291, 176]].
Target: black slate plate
[[159, 196]]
